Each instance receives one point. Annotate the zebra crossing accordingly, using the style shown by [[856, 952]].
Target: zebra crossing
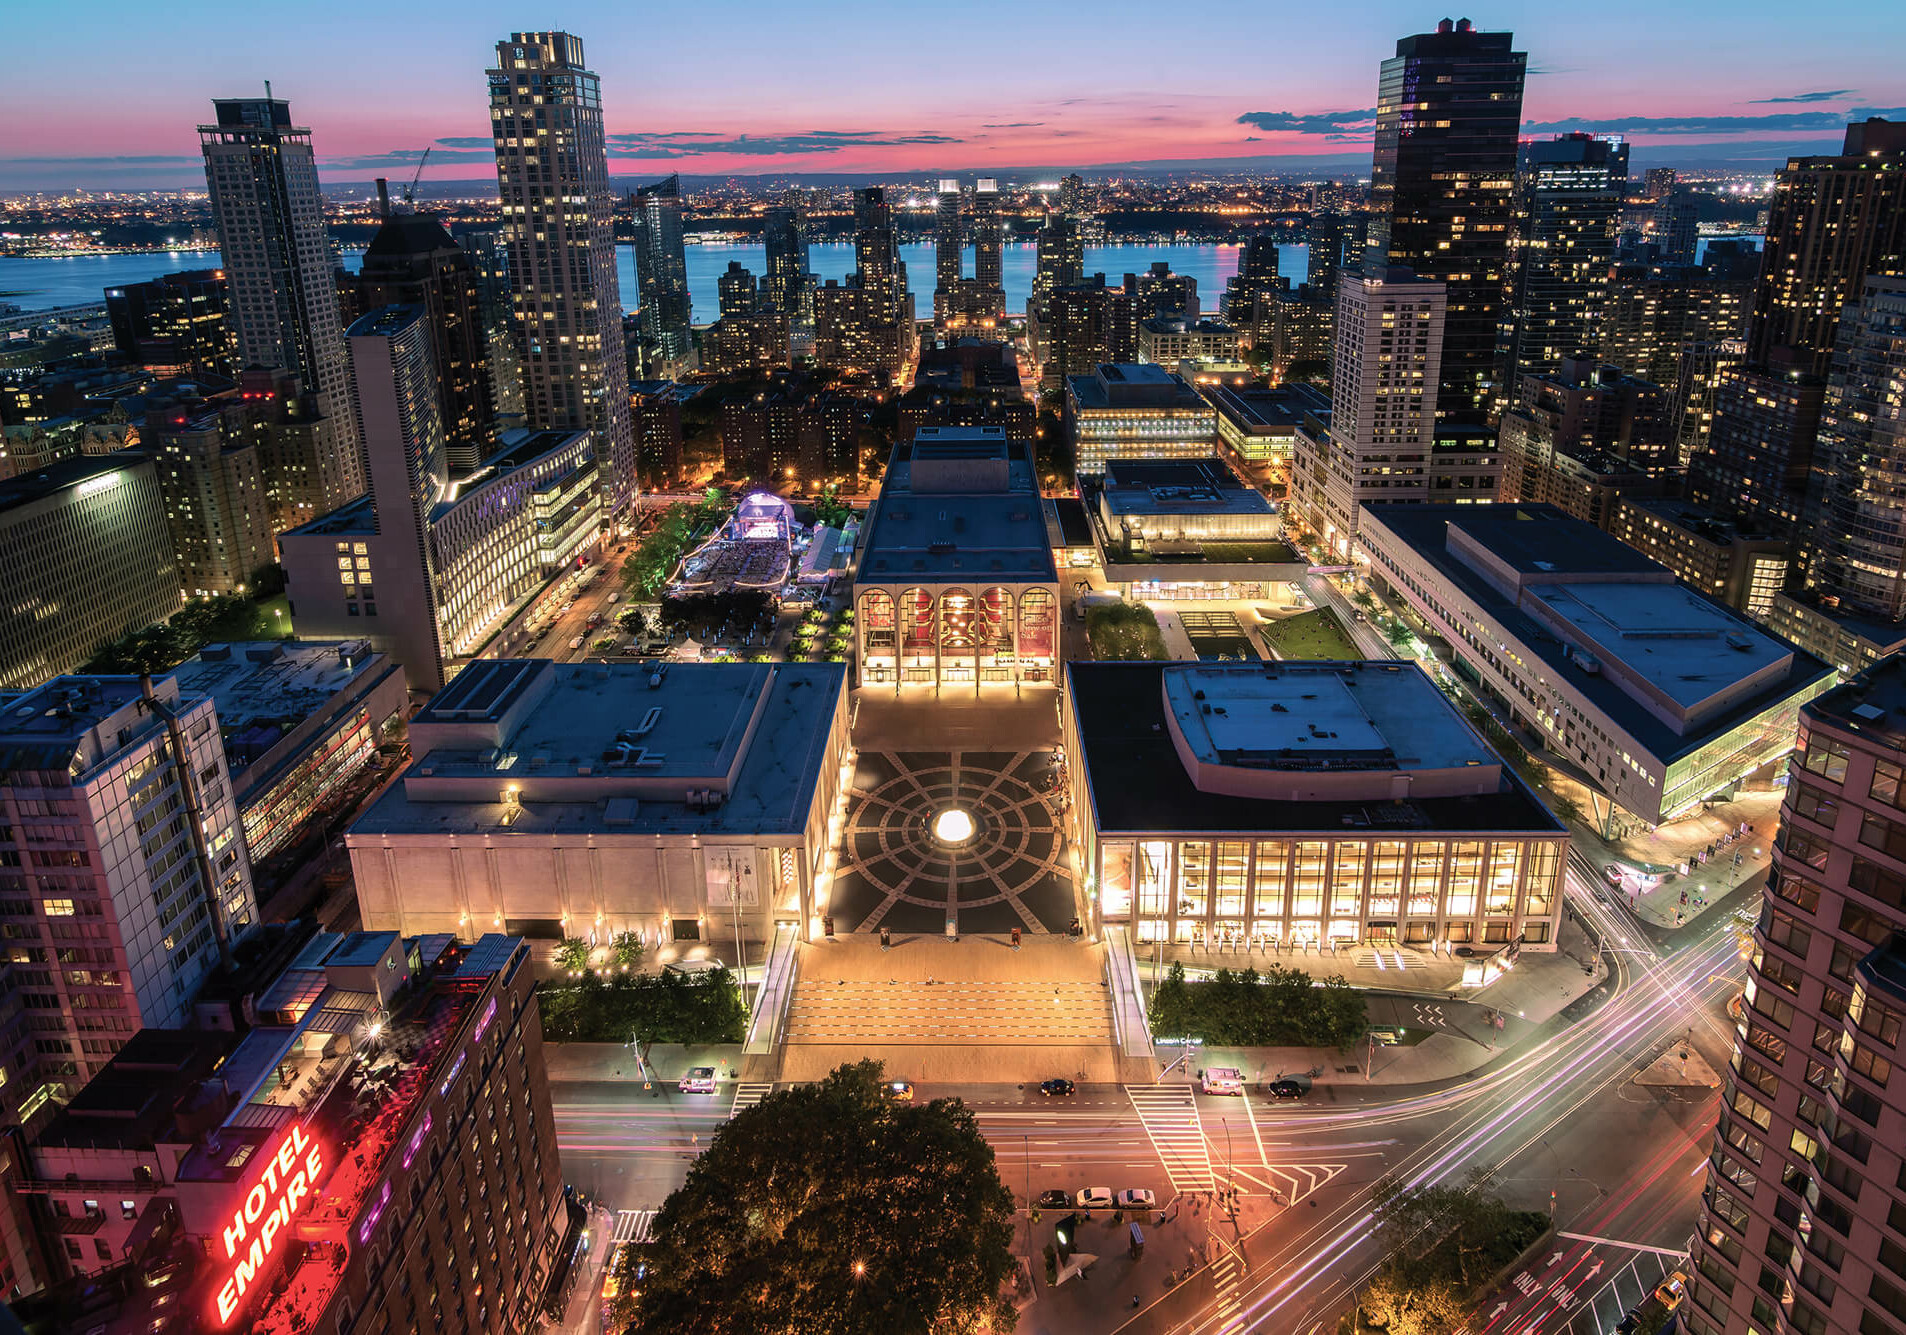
[[747, 1095], [1169, 1114], [1291, 1182], [637, 1226], [1227, 1285]]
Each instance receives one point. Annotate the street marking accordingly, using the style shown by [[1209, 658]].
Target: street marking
[[1227, 1282], [747, 1095], [635, 1226], [1293, 1181], [1169, 1114], [1617, 1242]]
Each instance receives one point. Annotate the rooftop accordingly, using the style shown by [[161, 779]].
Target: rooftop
[[1695, 519], [88, 473], [54, 726], [130, 1104], [1872, 702], [1134, 385], [1179, 486], [1335, 725], [1271, 412], [352, 519], [265, 689], [1544, 576], [958, 504], [615, 747]]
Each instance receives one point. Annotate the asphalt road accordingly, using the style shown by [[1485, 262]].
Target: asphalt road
[[1559, 1114]]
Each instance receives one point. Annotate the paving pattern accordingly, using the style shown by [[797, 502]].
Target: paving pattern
[[895, 874], [992, 1013]]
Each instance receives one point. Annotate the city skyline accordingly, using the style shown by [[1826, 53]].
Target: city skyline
[[754, 108]]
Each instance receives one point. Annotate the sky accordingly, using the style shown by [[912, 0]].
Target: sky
[[712, 87]]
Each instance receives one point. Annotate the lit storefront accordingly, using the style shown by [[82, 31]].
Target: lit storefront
[[1298, 805]]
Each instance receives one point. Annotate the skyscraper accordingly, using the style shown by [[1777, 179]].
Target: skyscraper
[[262, 176], [787, 279], [949, 240], [489, 252], [988, 236], [1833, 221], [1060, 263], [1250, 297], [1803, 1201], [963, 306], [412, 261], [1676, 227], [1562, 242], [553, 174], [1442, 184], [867, 322], [174, 323], [661, 270], [1325, 235]]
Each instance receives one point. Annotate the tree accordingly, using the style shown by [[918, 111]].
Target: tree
[[1124, 631], [1398, 634], [831, 1207], [572, 955]]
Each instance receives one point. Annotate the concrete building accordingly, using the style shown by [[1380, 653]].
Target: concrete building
[[656, 406], [124, 870], [955, 584], [88, 556], [1653, 313], [867, 323], [1758, 461], [792, 432], [1159, 291], [1652, 695], [689, 805], [788, 278], [1188, 530], [1800, 1212], [216, 508], [666, 314], [559, 216], [384, 1125], [175, 324], [1728, 563], [1442, 189], [1259, 426], [1085, 324], [261, 173], [1581, 436], [1383, 442], [1166, 340], [1128, 410], [300, 718], [1303, 330], [1060, 263], [1302, 805]]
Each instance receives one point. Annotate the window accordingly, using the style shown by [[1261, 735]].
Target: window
[[1870, 878], [1885, 786], [1874, 1018], [1800, 846], [1785, 932], [1883, 834], [1815, 804], [1825, 757]]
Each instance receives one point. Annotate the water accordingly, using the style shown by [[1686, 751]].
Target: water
[[76, 280], [41, 284]]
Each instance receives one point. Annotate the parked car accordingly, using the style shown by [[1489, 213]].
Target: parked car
[[1053, 1200], [1222, 1080], [1056, 1087], [1094, 1198], [576, 643], [1286, 1089], [1672, 1290], [699, 1080], [900, 1091], [1137, 1198]]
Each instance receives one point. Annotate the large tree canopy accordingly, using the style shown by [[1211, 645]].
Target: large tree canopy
[[832, 1207]]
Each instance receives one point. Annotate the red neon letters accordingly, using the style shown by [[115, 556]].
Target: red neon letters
[[288, 1182]]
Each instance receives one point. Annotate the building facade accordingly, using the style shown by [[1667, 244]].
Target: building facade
[[1127, 410], [1803, 1199], [216, 508], [1272, 806], [1732, 565], [88, 556], [955, 585], [175, 323], [559, 214], [666, 313], [693, 809], [262, 176]]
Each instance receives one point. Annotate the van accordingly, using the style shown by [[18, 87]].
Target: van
[[1222, 1080]]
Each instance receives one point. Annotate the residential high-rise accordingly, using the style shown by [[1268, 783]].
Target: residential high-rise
[[1159, 291], [1072, 196], [1659, 182], [1250, 296], [1325, 234], [1382, 442], [262, 175], [988, 235], [1060, 263], [207, 452], [88, 556], [174, 323], [559, 213], [1697, 384], [658, 432], [752, 333], [1442, 185], [1833, 221], [1652, 313], [787, 280], [949, 238], [1091, 323], [661, 269], [489, 252], [1675, 227], [737, 292], [412, 261], [1860, 460], [1800, 1216], [1582, 436], [1567, 213], [867, 322]]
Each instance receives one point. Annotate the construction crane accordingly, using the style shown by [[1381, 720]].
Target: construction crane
[[410, 191]]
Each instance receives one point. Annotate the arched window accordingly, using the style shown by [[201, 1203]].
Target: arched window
[[996, 621], [957, 618], [1035, 623], [916, 621], [876, 622]]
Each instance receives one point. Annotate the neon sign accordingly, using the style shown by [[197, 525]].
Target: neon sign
[[281, 1189]]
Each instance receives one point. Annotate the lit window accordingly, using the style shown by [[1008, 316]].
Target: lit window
[[58, 908]]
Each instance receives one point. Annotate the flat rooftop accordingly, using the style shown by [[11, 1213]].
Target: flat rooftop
[[130, 1104], [76, 472], [1134, 385], [1682, 644], [596, 747], [1277, 411], [1139, 784], [273, 683], [1299, 714], [1872, 702], [1538, 541], [1179, 486], [353, 519], [976, 515]]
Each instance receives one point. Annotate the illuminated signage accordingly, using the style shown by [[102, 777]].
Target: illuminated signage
[[483, 1025], [456, 1069], [280, 1190], [92, 486]]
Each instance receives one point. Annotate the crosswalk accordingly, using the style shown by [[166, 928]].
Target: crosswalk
[[747, 1095], [1169, 1114], [1290, 1182], [1227, 1284], [637, 1226]]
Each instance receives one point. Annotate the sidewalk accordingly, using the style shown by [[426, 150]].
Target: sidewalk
[[1677, 899], [1462, 1033]]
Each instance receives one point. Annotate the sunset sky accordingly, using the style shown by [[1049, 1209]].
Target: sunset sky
[[108, 94]]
